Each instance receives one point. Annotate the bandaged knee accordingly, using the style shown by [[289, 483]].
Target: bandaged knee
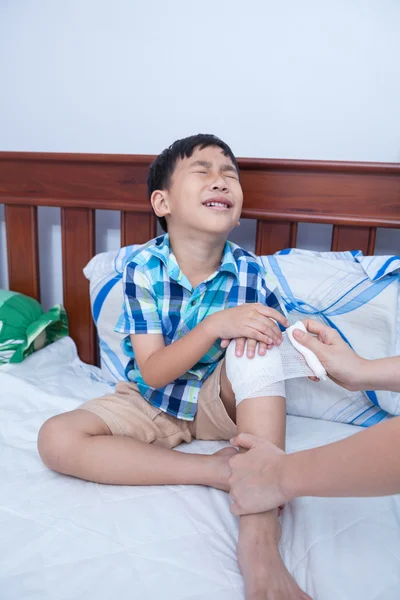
[[265, 375]]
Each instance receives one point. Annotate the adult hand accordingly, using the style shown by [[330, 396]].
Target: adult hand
[[341, 363], [256, 480]]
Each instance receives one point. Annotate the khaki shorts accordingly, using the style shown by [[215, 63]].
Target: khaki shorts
[[126, 412]]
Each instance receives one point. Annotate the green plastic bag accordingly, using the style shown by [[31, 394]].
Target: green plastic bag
[[24, 327]]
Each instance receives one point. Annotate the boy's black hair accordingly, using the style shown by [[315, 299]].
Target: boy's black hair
[[163, 167]]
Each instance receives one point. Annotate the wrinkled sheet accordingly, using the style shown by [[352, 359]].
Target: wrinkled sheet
[[65, 539]]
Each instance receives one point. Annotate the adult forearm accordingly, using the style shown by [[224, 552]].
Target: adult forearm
[[365, 464], [382, 374], [173, 361]]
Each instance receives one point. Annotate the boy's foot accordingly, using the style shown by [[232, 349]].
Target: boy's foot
[[265, 575], [221, 468]]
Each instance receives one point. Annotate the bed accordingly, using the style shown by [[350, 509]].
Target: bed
[[61, 538]]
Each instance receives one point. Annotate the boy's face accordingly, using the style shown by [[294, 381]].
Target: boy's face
[[205, 194]]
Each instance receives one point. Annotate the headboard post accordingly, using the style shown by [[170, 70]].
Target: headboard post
[[23, 249]]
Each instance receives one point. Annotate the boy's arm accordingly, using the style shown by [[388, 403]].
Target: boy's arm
[[267, 294], [158, 364]]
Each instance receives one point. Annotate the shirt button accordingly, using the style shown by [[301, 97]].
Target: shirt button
[[193, 302]]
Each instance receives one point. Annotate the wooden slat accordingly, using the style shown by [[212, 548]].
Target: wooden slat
[[23, 250], [272, 236], [78, 246], [137, 228], [353, 238]]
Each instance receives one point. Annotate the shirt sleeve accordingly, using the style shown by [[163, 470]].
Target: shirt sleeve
[[139, 309], [268, 292]]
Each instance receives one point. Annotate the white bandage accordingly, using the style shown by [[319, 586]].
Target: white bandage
[[264, 375], [311, 359]]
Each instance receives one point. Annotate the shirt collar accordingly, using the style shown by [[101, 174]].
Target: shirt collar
[[228, 262], [162, 250]]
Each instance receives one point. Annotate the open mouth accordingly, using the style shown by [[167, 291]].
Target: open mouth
[[218, 204]]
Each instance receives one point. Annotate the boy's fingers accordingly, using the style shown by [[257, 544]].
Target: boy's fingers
[[262, 327], [272, 330], [239, 348], [225, 343], [251, 348], [276, 334], [262, 348], [253, 332], [273, 314]]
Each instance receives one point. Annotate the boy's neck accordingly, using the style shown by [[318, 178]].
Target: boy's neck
[[198, 256]]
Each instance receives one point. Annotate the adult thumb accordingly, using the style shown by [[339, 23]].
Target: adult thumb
[[309, 341], [244, 440]]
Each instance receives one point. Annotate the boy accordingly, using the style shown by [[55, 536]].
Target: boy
[[184, 292]]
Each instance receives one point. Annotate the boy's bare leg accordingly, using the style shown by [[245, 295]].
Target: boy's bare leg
[[265, 575], [80, 444]]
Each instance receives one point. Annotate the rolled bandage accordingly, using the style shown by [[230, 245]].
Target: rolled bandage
[[311, 359], [265, 375]]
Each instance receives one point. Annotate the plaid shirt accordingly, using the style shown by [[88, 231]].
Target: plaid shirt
[[158, 298]]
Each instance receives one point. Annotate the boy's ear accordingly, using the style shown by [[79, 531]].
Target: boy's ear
[[159, 202]]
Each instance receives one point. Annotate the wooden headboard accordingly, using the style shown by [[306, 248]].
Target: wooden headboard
[[355, 197]]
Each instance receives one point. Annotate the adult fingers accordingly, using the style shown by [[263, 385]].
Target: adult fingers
[[245, 440], [327, 334], [309, 341], [236, 509]]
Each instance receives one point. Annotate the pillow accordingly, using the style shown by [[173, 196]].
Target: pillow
[[24, 327], [104, 272], [356, 294]]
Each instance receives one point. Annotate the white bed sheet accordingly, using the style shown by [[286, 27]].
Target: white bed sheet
[[65, 539]]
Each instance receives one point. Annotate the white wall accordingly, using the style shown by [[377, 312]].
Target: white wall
[[309, 79]]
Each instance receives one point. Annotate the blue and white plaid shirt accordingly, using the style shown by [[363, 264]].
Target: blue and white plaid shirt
[[158, 298]]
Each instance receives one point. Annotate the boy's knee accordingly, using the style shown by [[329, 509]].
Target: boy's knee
[[260, 376], [56, 442]]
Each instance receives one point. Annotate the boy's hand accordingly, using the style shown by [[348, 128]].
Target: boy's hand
[[249, 321], [250, 349]]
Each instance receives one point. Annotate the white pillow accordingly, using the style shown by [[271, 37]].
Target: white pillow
[[360, 297], [309, 282], [104, 272]]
